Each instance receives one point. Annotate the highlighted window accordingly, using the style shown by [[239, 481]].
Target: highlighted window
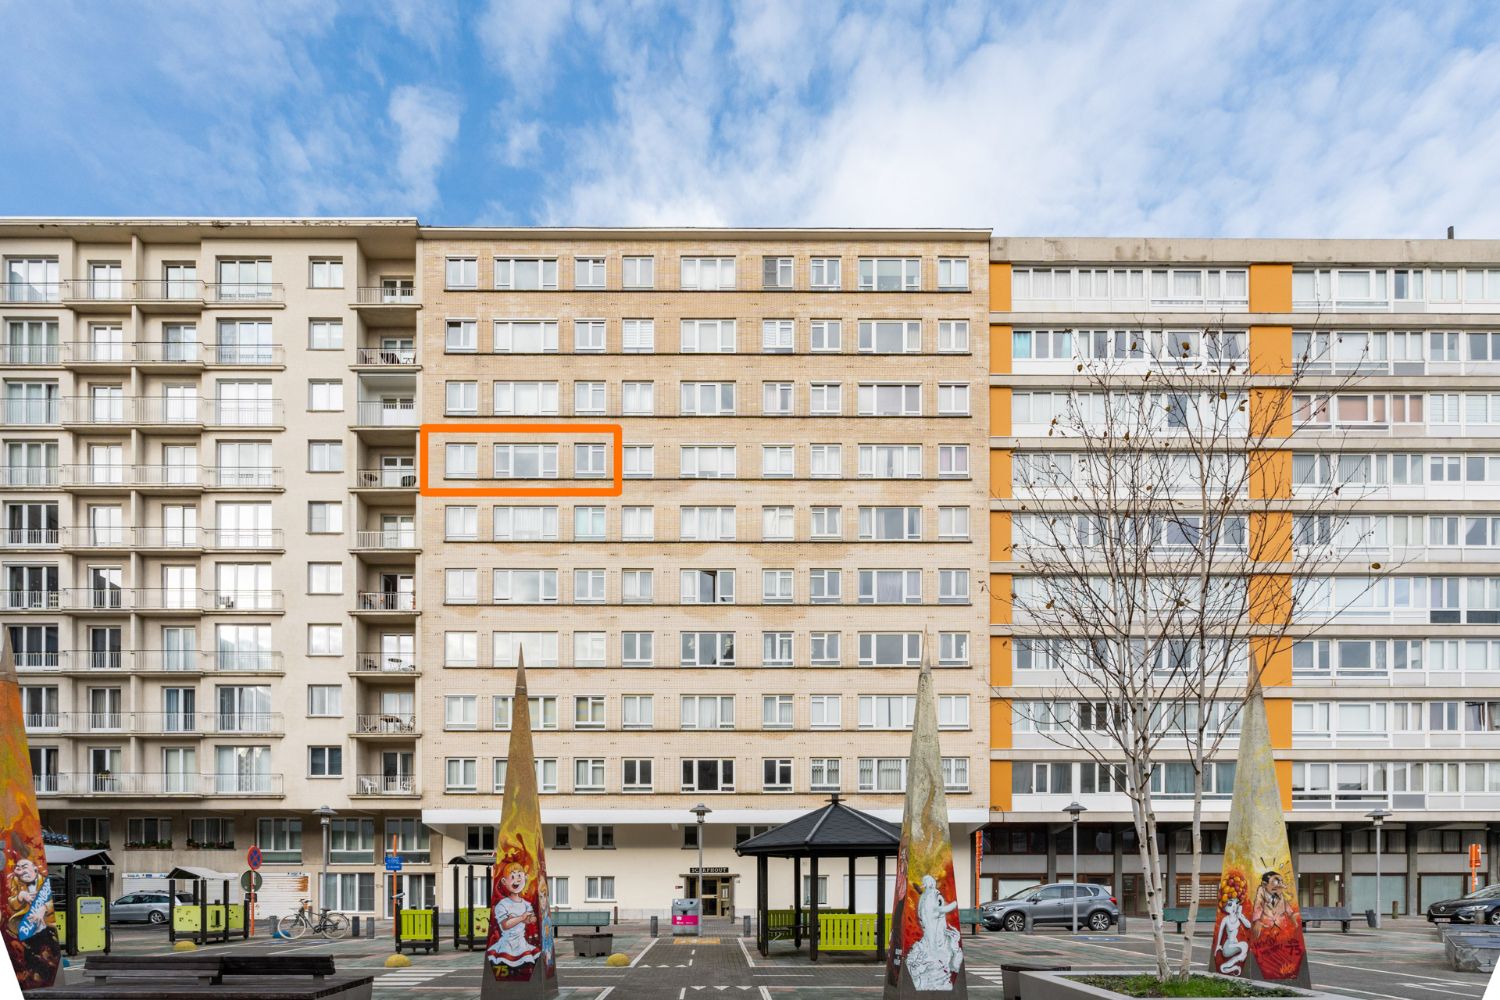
[[496, 488]]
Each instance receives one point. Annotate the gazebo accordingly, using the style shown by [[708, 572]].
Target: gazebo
[[834, 831]]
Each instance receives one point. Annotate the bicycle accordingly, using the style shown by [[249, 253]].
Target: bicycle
[[328, 923]]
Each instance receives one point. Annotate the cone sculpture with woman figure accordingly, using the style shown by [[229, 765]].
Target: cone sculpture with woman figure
[[926, 956], [1258, 930], [520, 959]]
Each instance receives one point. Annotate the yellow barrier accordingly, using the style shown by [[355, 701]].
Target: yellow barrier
[[480, 918], [847, 931]]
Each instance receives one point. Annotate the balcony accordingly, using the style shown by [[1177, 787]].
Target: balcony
[[20, 477], [383, 357], [376, 663], [32, 600], [99, 539], [95, 412], [385, 603], [380, 413], [171, 354], [106, 599], [85, 661], [386, 724], [244, 539], [112, 783], [28, 355], [31, 538], [32, 412], [258, 477], [247, 355], [189, 539], [241, 293], [245, 413], [387, 540], [234, 784], [27, 292], [253, 723], [116, 355], [386, 295], [170, 723], [386, 479], [254, 661], [385, 785]]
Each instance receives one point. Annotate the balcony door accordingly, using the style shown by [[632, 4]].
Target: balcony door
[[179, 587], [179, 710], [398, 651], [179, 648], [106, 464], [397, 771], [106, 342], [106, 525], [179, 526], [104, 769], [398, 471], [105, 643], [179, 769], [34, 646]]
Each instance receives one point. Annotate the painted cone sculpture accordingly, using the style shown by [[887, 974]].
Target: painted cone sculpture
[[1258, 930], [27, 923], [926, 954], [521, 959]]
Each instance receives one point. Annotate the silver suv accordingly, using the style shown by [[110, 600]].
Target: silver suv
[[1053, 904]]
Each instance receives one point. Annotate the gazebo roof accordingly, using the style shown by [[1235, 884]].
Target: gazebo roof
[[835, 830]]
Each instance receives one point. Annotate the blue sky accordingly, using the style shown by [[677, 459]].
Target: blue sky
[[1222, 117]]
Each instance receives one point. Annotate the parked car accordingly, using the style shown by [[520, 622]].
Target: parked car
[[1053, 904], [1480, 907], [149, 906]]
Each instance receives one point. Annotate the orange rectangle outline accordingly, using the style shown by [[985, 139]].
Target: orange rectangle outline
[[617, 431]]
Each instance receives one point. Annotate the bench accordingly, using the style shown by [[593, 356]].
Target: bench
[[204, 968], [974, 918], [597, 919], [215, 977], [1326, 914], [1178, 915]]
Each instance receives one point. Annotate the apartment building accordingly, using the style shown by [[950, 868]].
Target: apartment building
[[1386, 699], [720, 486]]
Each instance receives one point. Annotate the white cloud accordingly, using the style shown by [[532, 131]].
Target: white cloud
[[426, 122], [520, 141], [518, 38]]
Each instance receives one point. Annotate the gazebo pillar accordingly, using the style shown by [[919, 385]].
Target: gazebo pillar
[[812, 896], [852, 861], [762, 901], [797, 902], [880, 930]]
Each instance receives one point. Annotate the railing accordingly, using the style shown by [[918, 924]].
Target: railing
[[247, 660], [169, 538], [384, 663], [31, 412], [373, 413], [246, 354], [31, 475], [34, 721], [170, 661], [378, 600], [99, 537], [98, 598], [32, 538], [242, 784], [180, 352], [387, 357], [381, 295], [247, 600], [387, 539], [31, 291], [99, 411], [171, 599], [100, 290], [245, 722], [135, 783], [18, 355], [81, 659], [169, 722], [387, 723], [386, 479], [32, 600], [178, 411], [100, 474], [46, 661], [386, 784], [246, 413], [244, 291], [104, 722], [170, 290], [244, 538], [88, 352], [244, 477]]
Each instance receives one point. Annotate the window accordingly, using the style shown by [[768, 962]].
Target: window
[[588, 776], [827, 523], [823, 774], [589, 461], [953, 711], [599, 889], [955, 774], [825, 399], [890, 649], [461, 586], [588, 336], [882, 774], [526, 461], [707, 461], [953, 336], [827, 461], [588, 649], [639, 461], [891, 336], [325, 394], [498, 781], [588, 586], [953, 586], [707, 273], [327, 273], [890, 461], [280, 840], [776, 461], [325, 456], [776, 774], [707, 586], [325, 700], [708, 336], [776, 586], [824, 648], [887, 711], [462, 336], [824, 711], [525, 273], [637, 649], [953, 273], [588, 272], [524, 398], [588, 398], [776, 711], [142, 831], [708, 399], [825, 586], [776, 336], [325, 640], [638, 336], [953, 522], [639, 272], [461, 774], [890, 274], [638, 398], [707, 649], [526, 524], [890, 524], [637, 524], [707, 711], [460, 649], [890, 400], [776, 272], [708, 524], [707, 775], [325, 762], [588, 524], [825, 336], [953, 461], [460, 711], [462, 272], [525, 336], [776, 649], [525, 586], [461, 524], [636, 711], [953, 399], [325, 578], [211, 832], [824, 273], [635, 774], [325, 335], [776, 523]]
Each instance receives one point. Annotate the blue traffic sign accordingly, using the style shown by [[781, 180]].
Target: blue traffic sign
[[393, 862]]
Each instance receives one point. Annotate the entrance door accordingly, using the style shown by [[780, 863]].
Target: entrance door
[[1317, 889]]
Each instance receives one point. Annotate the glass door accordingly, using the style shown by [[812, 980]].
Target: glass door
[[396, 770], [179, 709], [179, 648], [107, 404], [104, 768], [179, 527], [181, 281], [106, 342], [104, 708], [398, 651], [106, 525], [106, 587], [180, 404], [31, 524], [179, 769], [106, 464], [105, 647], [179, 587], [398, 471], [398, 531], [179, 342]]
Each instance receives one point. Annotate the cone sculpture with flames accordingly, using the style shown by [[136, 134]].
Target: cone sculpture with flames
[[520, 959], [1258, 929], [27, 923], [926, 955]]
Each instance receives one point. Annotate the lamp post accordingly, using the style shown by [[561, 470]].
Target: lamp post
[[1377, 817], [325, 813], [1075, 810], [700, 810]]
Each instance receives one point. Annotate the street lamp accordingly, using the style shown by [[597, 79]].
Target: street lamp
[[1378, 817], [1075, 810], [325, 813], [700, 810]]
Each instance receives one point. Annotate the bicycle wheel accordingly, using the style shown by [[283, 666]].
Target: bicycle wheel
[[293, 926], [336, 926]]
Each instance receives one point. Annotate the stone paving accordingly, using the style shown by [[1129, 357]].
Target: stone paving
[[1403, 961]]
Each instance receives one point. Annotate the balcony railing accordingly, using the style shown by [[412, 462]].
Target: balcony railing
[[244, 722], [386, 357], [99, 537], [30, 475], [120, 783], [169, 538], [169, 722], [381, 295], [170, 660], [386, 539], [89, 352], [244, 477], [246, 413], [100, 290], [386, 724], [171, 352], [246, 600], [374, 413], [244, 538], [170, 290], [31, 538], [385, 663], [244, 291], [20, 355], [386, 479], [32, 412], [231, 783], [247, 660], [378, 600], [31, 291], [246, 354], [386, 784], [32, 600]]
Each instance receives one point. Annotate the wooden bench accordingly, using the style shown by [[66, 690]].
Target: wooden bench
[[597, 919], [1178, 915], [215, 977], [1325, 914]]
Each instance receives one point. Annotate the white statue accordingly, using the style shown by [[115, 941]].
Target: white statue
[[934, 960], [1232, 951]]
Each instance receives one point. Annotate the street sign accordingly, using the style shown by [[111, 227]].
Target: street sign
[[251, 880], [393, 862], [252, 858]]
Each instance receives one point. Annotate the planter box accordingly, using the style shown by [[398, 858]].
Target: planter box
[[1061, 986], [1472, 951]]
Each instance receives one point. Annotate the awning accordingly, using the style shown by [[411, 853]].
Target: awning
[[204, 873], [57, 856]]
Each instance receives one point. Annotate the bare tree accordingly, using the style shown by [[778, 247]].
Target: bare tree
[[1157, 551]]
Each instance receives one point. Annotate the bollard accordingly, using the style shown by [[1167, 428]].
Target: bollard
[[271, 921], [370, 928], [747, 925], [354, 929], [1122, 921], [653, 925]]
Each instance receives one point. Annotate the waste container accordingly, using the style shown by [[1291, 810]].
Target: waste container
[[685, 917]]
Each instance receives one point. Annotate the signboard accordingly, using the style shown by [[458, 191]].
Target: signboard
[[393, 862], [708, 871], [253, 858], [251, 881]]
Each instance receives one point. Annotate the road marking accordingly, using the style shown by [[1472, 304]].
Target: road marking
[[765, 994], [642, 955], [746, 951]]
